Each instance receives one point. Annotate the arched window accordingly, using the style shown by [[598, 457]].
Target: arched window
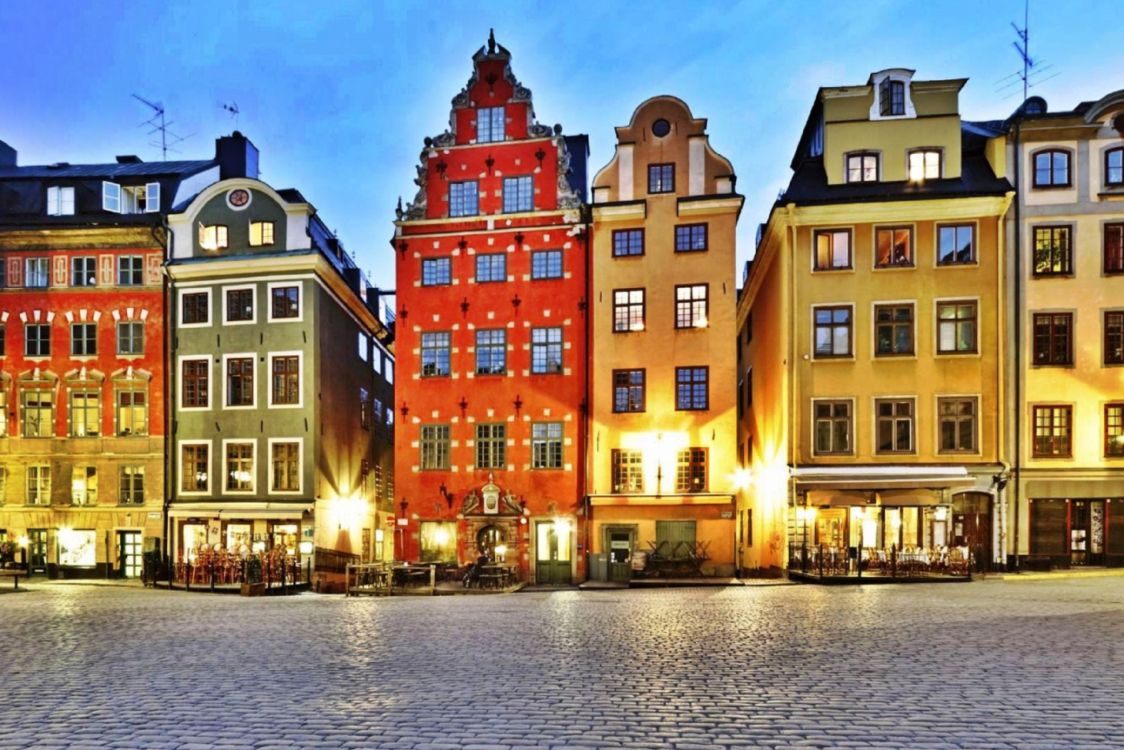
[[1114, 166], [488, 539], [1051, 168]]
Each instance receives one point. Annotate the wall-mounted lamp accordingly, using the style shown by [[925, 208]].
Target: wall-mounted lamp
[[463, 244], [540, 155], [463, 404], [518, 404], [446, 494], [519, 239], [464, 306], [441, 166], [489, 163], [404, 409]]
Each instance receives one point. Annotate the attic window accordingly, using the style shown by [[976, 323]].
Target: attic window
[[60, 201], [891, 97], [489, 124], [924, 164], [661, 128]]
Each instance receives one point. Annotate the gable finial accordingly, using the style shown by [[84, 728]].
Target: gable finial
[[491, 41]]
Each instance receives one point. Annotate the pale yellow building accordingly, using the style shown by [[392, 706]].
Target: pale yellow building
[[663, 430], [871, 331]]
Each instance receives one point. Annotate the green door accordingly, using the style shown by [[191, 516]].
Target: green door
[[129, 554], [552, 553], [37, 550], [619, 545]]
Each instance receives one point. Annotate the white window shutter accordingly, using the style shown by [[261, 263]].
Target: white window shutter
[[52, 201], [111, 197], [152, 197], [66, 201]]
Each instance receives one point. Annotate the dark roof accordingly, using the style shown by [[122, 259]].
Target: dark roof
[[80, 171], [292, 195], [809, 181]]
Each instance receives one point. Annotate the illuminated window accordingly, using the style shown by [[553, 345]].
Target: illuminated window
[[85, 413], [1114, 430], [84, 485], [38, 485], [628, 390], [434, 446], [894, 425], [518, 194], [239, 467], [1053, 253], [628, 471], [365, 412], [1051, 168], [924, 165], [435, 354], [833, 249], [692, 388], [546, 264], [83, 339], [463, 198], [893, 246], [832, 332], [546, 445], [893, 330], [285, 375], [1114, 337], [1053, 338], [690, 472], [77, 548], [690, 238], [491, 267], [957, 420], [490, 124], [212, 236], [194, 467], [956, 327], [132, 412], [833, 426], [131, 485], [956, 244], [491, 351], [261, 233], [3, 421], [691, 306], [862, 167], [491, 446], [437, 271], [628, 310], [546, 351], [285, 466], [1053, 431], [437, 541], [37, 412], [661, 178], [628, 242]]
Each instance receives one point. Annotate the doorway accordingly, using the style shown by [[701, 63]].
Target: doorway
[[971, 527], [1086, 533], [619, 544], [129, 554], [552, 553], [37, 550]]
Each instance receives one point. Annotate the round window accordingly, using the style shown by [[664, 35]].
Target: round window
[[661, 127]]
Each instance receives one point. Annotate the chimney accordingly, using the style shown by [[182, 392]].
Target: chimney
[[236, 156], [7, 155], [128, 159]]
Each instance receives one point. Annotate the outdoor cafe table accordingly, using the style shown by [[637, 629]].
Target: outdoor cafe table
[[411, 575], [498, 576]]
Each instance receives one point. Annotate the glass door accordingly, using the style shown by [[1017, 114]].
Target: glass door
[[552, 552], [37, 550], [129, 554]]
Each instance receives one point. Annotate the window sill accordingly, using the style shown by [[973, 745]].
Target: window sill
[[828, 358], [959, 264], [896, 267], [1067, 275], [840, 269]]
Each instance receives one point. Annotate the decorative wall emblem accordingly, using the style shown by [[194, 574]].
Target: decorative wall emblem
[[238, 198]]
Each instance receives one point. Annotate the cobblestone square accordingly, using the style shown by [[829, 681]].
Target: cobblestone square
[[989, 664]]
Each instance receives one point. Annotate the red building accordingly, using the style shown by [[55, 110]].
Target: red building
[[491, 331]]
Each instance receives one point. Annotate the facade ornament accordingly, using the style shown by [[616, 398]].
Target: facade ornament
[[567, 198]]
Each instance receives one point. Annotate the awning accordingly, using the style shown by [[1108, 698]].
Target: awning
[[881, 478], [660, 500], [270, 510]]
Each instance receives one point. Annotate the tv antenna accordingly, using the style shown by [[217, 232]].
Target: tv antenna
[[158, 125], [1030, 75], [233, 110]]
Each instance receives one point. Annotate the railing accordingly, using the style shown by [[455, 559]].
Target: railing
[[211, 570], [369, 578], [334, 561], [825, 561]]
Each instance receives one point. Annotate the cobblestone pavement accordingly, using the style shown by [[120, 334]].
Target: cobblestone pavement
[[982, 665]]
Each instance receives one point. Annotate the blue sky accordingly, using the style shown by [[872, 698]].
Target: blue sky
[[339, 95]]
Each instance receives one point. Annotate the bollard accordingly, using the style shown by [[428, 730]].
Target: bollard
[[433, 580]]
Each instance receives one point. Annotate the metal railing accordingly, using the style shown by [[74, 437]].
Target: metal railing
[[823, 561]]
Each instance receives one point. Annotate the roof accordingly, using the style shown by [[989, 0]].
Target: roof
[[292, 195], [80, 171]]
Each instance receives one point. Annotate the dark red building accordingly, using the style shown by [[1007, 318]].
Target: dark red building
[[491, 295]]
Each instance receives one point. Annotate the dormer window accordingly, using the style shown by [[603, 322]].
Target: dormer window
[[891, 97], [489, 124], [60, 201], [1114, 167], [1051, 168], [212, 236], [131, 199], [924, 164], [862, 167]]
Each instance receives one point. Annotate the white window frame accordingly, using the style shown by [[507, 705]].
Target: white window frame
[[210, 307], [210, 381], [300, 462], [152, 197], [210, 464], [300, 301], [110, 197], [253, 357], [60, 201], [253, 464], [261, 243], [269, 386], [226, 321]]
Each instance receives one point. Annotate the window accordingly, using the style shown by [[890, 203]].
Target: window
[[60, 201], [463, 197], [518, 194], [1114, 166], [546, 445], [690, 472], [894, 425], [240, 381], [286, 376], [111, 197], [131, 485], [85, 413], [3, 424], [491, 267], [38, 412], [437, 541], [240, 305], [194, 466], [196, 308], [284, 302], [661, 178], [957, 419], [833, 249], [38, 485], [956, 327], [84, 485], [261, 233], [491, 351], [83, 339], [546, 264], [133, 199], [36, 273], [491, 446], [1114, 430], [435, 446], [1053, 338], [628, 310], [1053, 252], [691, 306], [956, 244], [924, 165], [692, 388], [130, 270], [84, 272], [891, 98], [1051, 169], [832, 332], [628, 242], [690, 238], [363, 345], [628, 471], [893, 330], [437, 271], [1114, 337], [196, 383], [893, 247], [132, 412], [130, 337], [1114, 248], [490, 124], [546, 350], [285, 466], [833, 426], [628, 391], [239, 467], [435, 354], [862, 167], [1053, 431], [212, 237], [37, 339], [364, 409]]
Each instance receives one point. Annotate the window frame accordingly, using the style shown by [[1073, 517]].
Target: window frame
[[546, 443], [1070, 335], [221, 234], [38, 492], [208, 482], [888, 90], [623, 311], [972, 228], [956, 322], [894, 419], [863, 155], [43, 345], [435, 351], [129, 325], [548, 345], [691, 302], [623, 239], [89, 344], [894, 325], [261, 240], [58, 202], [626, 463], [924, 152], [460, 199], [691, 383], [894, 229], [1052, 151], [226, 290], [1055, 253], [1113, 438], [1106, 359], [437, 262], [93, 396], [130, 389], [132, 276], [1108, 153], [489, 260], [227, 443], [438, 443], [491, 124], [629, 387], [659, 170], [274, 286], [271, 396], [89, 274], [1053, 427], [975, 400], [183, 295], [42, 271], [275, 441], [691, 467], [833, 419], [489, 347], [226, 390], [546, 256], [1117, 228], [126, 484], [519, 181], [689, 231], [495, 445], [830, 234], [832, 325], [182, 381]]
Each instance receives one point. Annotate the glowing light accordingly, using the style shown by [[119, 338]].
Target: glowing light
[[441, 536], [379, 535], [23, 541], [701, 322], [348, 511], [940, 513], [305, 548], [258, 546], [501, 551], [742, 478], [562, 527]]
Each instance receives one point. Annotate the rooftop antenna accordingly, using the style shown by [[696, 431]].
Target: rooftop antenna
[[158, 125], [1024, 48], [232, 108], [1033, 68]]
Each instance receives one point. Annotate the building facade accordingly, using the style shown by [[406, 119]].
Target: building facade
[[872, 327], [491, 330], [663, 386], [1067, 335], [281, 383], [82, 352]]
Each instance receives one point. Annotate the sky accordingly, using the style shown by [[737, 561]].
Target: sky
[[338, 96]]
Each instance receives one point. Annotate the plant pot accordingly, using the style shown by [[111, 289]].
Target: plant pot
[[253, 589]]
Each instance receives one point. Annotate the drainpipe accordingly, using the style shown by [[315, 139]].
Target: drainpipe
[[169, 383], [1018, 253], [587, 215]]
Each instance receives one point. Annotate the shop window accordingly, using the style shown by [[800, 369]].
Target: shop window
[[546, 445], [438, 541], [957, 327], [895, 425], [84, 485], [628, 471], [834, 427], [956, 244], [434, 446], [491, 446], [491, 351], [77, 548], [1053, 339], [628, 310], [1053, 431], [628, 390], [833, 249], [893, 247], [690, 472], [893, 330], [958, 421], [833, 327]]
